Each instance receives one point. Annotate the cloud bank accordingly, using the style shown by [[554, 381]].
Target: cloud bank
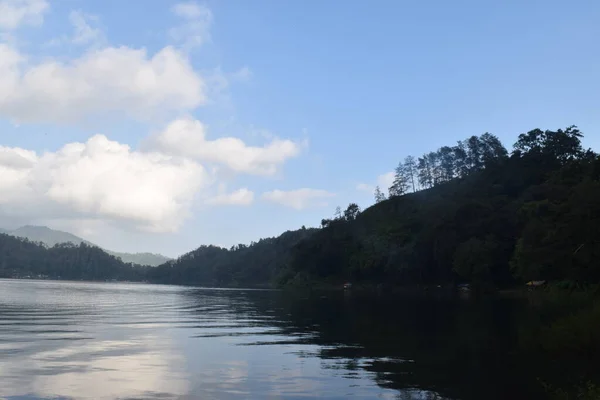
[[188, 137], [103, 179], [118, 80], [154, 187]]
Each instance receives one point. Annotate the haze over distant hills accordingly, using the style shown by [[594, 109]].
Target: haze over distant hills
[[51, 237]]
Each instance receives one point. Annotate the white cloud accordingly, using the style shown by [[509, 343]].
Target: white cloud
[[111, 80], [85, 33], [187, 137], [14, 13], [194, 30], [299, 199], [384, 181], [100, 179], [240, 197]]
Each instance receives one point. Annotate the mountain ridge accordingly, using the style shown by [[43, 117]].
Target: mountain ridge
[[51, 237]]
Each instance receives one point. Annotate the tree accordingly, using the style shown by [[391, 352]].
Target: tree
[[530, 142], [410, 170], [425, 172], [491, 148], [446, 161], [379, 196], [400, 183], [564, 145], [351, 212], [474, 153], [435, 167], [459, 155], [560, 145], [338, 213]]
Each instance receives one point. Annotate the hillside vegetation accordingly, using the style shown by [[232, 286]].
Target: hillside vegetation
[[472, 212], [22, 258], [259, 264], [51, 237]]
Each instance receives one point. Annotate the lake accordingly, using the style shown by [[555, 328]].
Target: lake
[[71, 340]]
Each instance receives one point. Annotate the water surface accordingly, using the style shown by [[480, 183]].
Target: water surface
[[69, 340]]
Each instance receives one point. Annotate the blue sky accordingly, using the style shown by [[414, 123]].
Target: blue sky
[[315, 98]]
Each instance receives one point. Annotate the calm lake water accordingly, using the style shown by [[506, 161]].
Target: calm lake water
[[66, 340]]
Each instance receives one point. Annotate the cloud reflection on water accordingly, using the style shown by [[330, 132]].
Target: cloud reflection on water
[[66, 340]]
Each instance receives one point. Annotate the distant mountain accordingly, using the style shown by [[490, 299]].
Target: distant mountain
[[49, 237], [52, 237], [150, 259]]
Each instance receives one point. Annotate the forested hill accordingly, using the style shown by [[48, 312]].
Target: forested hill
[[259, 264], [23, 258], [52, 237], [470, 213]]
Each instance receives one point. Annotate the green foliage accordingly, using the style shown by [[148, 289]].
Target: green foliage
[[560, 145], [263, 263], [51, 237], [379, 196], [21, 258], [483, 217], [351, 212], [474, 259], [259, 264], [402, 180]]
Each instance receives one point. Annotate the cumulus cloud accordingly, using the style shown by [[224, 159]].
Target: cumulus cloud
[[103, 179], [14, 13], [187, 137], [240, 197], [384, 181], [113, 79], [194, 29], [299, 199]]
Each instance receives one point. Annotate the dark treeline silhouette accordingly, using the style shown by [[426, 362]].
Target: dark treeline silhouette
[[472, 212], [259, 264], [22, 258], [445, 164]]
